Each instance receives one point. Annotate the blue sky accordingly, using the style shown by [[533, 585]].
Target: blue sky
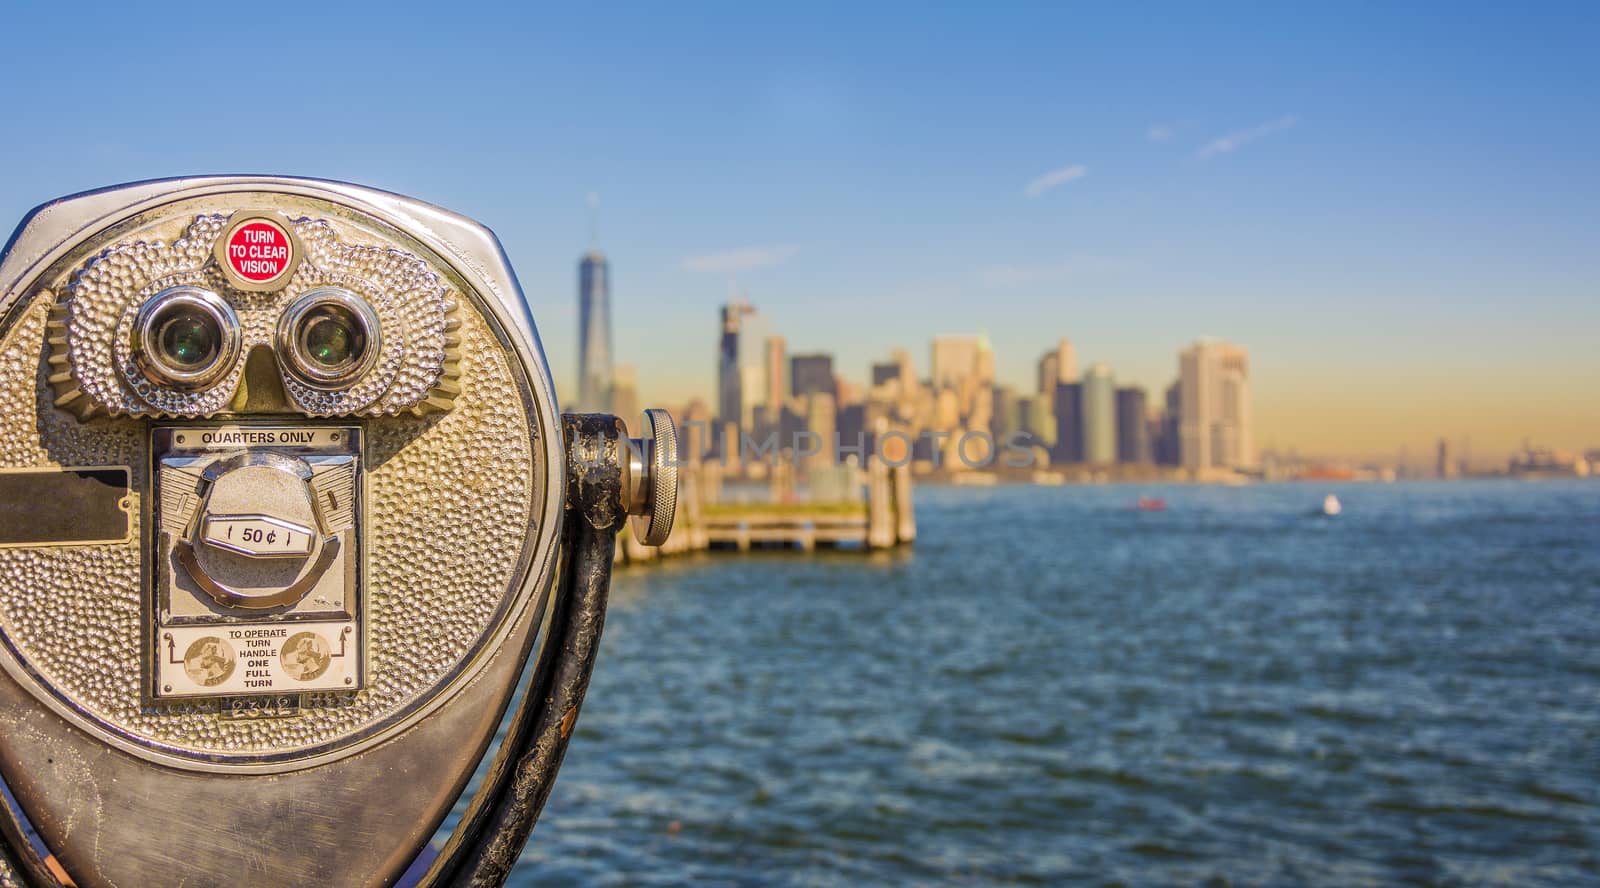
[[1395, 210]]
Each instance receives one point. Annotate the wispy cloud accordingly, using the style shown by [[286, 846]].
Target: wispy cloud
[[745, 259], [1055, 178], [1158, 133], [1234, 141]]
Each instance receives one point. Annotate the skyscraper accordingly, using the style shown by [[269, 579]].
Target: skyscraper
[[1069, 422], [821, 420], [955, 358], [844, 392], [1039, 420], [908, 373], [1133, 427], [1169, 451], [809, 374], [1049, 373], [983, 361], [1099, 415], [741, 365], [777, 376], [1006, 419], [625, 395], [853, 425], [752, 367], [594, 333], [728, 381], [1058, 365], [1214, 427]]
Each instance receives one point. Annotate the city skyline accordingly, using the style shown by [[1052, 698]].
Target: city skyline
[[961, 417], [1395, 211], [770, 351]]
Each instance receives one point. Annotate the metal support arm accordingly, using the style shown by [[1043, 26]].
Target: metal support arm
[[490, 838]]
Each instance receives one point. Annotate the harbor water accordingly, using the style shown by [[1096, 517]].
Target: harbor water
[[1056, 687]]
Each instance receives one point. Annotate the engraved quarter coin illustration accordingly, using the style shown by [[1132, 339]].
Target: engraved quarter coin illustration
[[305, 656], [209, 661]]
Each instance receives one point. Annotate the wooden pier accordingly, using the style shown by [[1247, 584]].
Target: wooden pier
[[804, 526], [882, 519]]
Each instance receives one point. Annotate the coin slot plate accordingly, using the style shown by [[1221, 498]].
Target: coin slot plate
[[201, 648]]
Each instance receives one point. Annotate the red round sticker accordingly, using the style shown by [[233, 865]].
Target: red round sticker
[[258, 251]]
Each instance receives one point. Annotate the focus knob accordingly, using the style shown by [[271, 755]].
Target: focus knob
[[652, 486]]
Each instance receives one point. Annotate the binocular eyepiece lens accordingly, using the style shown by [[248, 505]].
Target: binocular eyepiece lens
[[187, 337], [330, 337]]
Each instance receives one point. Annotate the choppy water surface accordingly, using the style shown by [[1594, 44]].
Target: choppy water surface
[[1054, 687]]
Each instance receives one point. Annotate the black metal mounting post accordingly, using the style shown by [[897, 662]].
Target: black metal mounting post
[[492, 834]]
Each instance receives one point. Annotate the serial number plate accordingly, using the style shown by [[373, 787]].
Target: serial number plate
[[257, 535], [282, 706]]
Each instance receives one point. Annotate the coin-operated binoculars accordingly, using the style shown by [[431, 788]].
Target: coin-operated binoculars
[[286, 507]]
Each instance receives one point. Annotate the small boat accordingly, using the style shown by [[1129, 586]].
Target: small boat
[[1331, 506], [1151, 504]]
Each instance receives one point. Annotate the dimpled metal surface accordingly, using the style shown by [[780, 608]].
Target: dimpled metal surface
[[451, 504], [95, 320]]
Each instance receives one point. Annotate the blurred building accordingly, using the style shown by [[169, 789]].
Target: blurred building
[[1099, 415], [1155, 425], [1058, 365], [810, 374], [1039, 420], [1214, 427], [1049, 373], [844, 392], [919, 406], [983, 362], [1133, 426], [740, 365], [752, 367], [625, 396], [1167, 447], [728, 452], [853, 429], [1547, 462], [1069, 423], [1005, 420], [908, 373], [947, 409], [1447, 467], [594, 333], [822, 421], [954, 359], [777, 377]]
